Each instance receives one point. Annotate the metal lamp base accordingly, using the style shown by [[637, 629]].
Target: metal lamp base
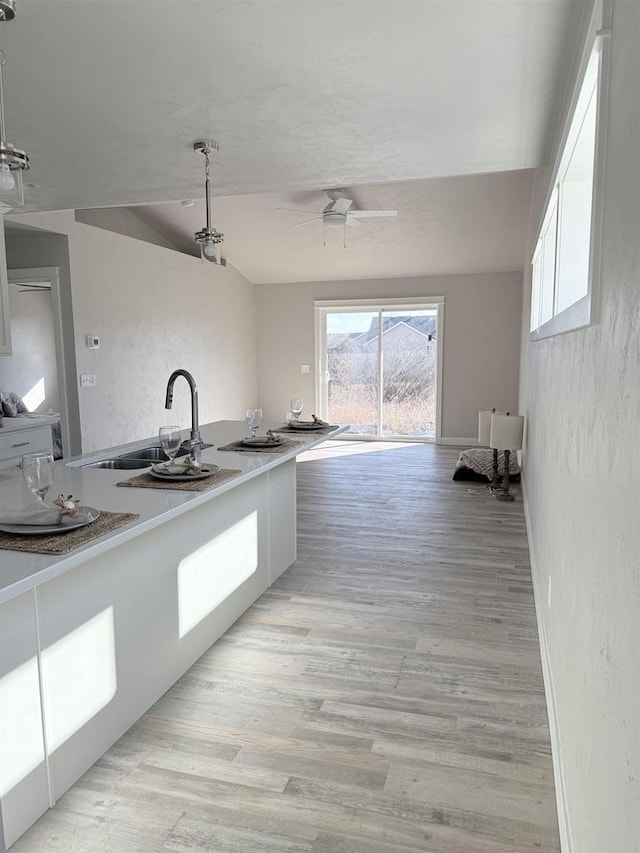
[[495, 482], [504, 494]]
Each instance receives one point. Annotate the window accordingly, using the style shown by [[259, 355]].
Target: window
[[565, 260]]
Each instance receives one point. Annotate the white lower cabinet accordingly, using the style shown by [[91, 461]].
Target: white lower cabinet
[[115, 632], [119, 630], [24, 791], [15, 443]]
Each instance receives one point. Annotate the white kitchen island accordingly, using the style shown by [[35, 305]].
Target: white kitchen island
[[90, 640]]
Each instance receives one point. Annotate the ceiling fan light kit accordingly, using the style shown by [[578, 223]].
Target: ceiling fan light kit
[[337, 214], [13, 161], [209, 238]]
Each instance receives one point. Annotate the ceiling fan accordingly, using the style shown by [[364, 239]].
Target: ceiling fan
[[337, 213]]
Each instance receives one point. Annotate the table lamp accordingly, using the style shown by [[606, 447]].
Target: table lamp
[[484, 434], [506, 434]]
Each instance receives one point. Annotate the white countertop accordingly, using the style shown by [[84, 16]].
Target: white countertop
[[96, 487]]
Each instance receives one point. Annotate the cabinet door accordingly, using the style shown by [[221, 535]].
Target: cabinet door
[[117, 631], [24, 790]]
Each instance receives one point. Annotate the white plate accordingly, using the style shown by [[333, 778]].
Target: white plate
[[46, 529], [261, 441], [207, 471]]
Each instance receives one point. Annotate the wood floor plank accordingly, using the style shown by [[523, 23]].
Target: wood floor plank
[[384, 696]]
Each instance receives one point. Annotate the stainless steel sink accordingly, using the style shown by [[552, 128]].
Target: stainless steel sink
[[153, 454], [137, 458], [119, 464]]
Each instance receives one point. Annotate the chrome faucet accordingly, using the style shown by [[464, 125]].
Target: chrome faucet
[[195, 442]]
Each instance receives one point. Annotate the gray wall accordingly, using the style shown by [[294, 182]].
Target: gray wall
[[121, 221], [481, 340], [581, 396], [154, 310]]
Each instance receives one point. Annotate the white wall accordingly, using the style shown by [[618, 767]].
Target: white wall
[[481, 340], [155, 310], [581, 396]]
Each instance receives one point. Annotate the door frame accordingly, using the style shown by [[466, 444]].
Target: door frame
[[323, 307], [50, 277]]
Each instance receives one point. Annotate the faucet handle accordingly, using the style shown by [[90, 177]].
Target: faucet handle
[[194, 445]]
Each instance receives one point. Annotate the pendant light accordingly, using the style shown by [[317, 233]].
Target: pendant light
[[13, 161], [208, 237]]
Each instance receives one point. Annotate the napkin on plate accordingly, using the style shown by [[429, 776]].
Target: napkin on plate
[[185, 466], [319, 421], [47, 516]]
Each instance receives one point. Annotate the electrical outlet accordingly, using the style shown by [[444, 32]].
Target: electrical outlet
[[88, 380], [304, 368]]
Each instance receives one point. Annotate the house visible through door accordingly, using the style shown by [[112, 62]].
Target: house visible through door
[[379, 368]]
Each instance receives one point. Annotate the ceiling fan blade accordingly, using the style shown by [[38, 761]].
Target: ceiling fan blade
[[341, 205], [306, 222], [297, 210], [363, 214]]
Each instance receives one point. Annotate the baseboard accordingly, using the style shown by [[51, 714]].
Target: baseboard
[[564, 826], [460, 442]]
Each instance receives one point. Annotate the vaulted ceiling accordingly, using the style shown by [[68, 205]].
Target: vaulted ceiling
[[410, 104]]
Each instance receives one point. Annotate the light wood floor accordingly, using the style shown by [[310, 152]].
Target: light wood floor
[[384, 696]]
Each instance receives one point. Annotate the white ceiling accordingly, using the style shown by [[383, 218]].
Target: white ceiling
[[107, 97]]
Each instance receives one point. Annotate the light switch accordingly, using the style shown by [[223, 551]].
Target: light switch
[[87, 380], [304, 368]]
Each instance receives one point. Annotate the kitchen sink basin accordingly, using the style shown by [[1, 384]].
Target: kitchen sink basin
[[119, 464], [142, 458], [153, 454]]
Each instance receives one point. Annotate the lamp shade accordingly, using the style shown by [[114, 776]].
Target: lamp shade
[[506, 432], [484, 425]]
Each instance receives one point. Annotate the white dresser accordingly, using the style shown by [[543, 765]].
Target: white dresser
[[19, 436]]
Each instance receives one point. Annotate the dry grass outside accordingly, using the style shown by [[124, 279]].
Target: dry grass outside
[[354, 406]]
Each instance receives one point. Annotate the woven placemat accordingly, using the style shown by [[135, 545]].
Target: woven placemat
[[146, 481], [323, 431], [280, 448], [62, 543]]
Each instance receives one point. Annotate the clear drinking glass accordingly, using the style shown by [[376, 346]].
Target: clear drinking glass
[[170, 440], [296, 406], [37, 470], [253, 419]]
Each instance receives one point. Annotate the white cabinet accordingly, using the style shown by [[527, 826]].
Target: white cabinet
[[112, 633], [24, 788], [117, 631], [29, 438]]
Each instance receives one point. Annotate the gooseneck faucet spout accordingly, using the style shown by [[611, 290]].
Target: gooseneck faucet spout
[[195, 442]]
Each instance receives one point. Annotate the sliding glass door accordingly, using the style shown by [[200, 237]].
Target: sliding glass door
[[379, 366]]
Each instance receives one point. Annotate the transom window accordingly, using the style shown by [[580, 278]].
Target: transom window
[[566, 256]]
